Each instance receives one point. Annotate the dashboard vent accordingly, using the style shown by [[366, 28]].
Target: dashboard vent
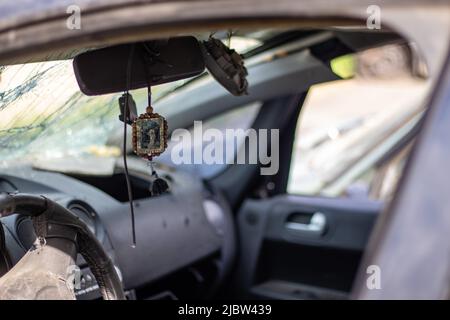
[[85, 213]]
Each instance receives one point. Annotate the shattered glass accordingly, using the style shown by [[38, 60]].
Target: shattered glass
[[44, 115]]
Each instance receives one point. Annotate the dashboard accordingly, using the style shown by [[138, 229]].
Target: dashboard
[[181, 235]]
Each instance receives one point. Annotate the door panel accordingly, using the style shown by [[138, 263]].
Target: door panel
[[294, 247]]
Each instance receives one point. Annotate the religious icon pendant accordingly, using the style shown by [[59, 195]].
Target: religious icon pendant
[[149, 134]]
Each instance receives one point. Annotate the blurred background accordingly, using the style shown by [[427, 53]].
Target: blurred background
[[356, 122]]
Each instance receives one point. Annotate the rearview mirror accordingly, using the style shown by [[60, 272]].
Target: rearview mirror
[[154, 62]]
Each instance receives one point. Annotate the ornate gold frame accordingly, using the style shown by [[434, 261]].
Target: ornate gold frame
[[136, 126]]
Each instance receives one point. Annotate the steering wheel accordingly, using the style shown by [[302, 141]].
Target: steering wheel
[[46, 270]]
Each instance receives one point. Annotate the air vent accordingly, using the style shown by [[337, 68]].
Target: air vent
[[25, 232], [85, 213]]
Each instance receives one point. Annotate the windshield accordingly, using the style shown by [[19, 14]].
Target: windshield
[[43, 114]]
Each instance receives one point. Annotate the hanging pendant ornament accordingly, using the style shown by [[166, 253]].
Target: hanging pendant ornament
[[150, 140], [149, 134]]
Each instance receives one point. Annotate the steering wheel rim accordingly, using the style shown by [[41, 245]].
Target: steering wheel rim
[[55, 224]]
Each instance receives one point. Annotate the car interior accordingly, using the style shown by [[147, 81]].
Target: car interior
[[222, 231]]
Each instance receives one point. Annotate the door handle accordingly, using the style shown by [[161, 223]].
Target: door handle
[[316, 225]]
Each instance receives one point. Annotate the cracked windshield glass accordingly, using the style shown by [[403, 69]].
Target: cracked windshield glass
[[43, 115]]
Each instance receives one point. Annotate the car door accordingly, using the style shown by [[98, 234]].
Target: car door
[[295, 247], [307, 241]]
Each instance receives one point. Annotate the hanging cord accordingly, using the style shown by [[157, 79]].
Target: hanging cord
[[125, 164]]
